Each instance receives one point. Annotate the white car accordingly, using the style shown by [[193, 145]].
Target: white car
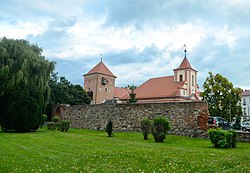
[[245, 126]]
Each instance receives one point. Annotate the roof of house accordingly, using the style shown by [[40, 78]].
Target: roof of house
[[101, 68], [185, 65], [158, 87], [121, 93], [245, 93]]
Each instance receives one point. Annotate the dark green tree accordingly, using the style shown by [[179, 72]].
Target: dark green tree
[[24, 89], [64, 92], [223, 99]]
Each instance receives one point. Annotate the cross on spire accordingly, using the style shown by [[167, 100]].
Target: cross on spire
[[185, 50], [101, 57]]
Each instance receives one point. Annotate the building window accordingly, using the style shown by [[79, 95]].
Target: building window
[[106, 89], [244, 112], [184, 93], [244, 101], [181, 77], [192, 80]]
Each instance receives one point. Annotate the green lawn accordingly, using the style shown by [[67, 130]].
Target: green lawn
[[92, 151]]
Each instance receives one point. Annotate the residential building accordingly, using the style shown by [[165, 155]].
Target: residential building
[[245, 102]]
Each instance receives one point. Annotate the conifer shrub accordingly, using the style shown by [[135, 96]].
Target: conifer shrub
[[160, 127], [55, 119], [51, 126], [43, 120], [109, 128], [64, 125], [223, 138], [146, 128]]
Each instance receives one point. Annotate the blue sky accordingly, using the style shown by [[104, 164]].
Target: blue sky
[[138, 39]]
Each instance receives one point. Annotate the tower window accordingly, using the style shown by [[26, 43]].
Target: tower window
[[106, 89], [181, 77], [192, 80]]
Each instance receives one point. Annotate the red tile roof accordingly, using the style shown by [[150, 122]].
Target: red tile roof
[[185, 65], [121, 93], [245, 93], [158, 87], [101, 68]]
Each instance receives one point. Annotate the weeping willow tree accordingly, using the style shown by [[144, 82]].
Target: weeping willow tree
[[24, 89]]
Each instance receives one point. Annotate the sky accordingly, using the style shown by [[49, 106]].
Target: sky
[[138, 39]]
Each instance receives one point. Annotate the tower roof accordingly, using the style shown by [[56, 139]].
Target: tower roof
[[185, 65], [100, 68]]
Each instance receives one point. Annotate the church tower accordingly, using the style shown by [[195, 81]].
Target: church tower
[[99, 83], [185, 73]]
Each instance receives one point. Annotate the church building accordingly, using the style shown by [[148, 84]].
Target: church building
[[99, 82]]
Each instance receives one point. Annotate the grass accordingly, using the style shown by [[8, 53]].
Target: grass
[[92, 151]]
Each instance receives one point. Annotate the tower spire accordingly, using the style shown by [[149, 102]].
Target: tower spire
[[101, 57], [185, 50]]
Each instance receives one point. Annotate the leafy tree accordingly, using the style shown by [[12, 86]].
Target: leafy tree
[[24, 89], [223, 99], [132, 94], [62, 91]]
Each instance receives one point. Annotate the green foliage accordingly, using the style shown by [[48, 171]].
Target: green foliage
[[24, 89], [55, 119], [64, 125], [132, 94], [223, 138], [160, 127], [221, 96], [64, 92], [237, 124], [146, 128], [53, 126], [44, 119], [109, 128]]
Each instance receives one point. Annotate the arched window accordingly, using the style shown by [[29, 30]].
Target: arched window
[[192, 80], [181, 77]]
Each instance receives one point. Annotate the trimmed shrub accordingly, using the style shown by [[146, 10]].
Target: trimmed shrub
[[160, 127], [43, 120], [64, 125], [109, 128], [146, 128], [223, 138], [55, 119]]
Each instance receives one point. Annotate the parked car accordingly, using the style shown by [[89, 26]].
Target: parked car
[[219, 122], [245, 126]]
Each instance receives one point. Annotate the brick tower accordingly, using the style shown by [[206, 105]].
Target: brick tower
[[99, 82]]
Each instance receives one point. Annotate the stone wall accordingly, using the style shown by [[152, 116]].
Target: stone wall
[[187, 118], [243, 136]]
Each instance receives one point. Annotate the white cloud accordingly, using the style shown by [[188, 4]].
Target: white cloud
[[23, 29]]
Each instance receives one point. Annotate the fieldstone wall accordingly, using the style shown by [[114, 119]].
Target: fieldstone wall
[[243, 136], [187, 118]]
